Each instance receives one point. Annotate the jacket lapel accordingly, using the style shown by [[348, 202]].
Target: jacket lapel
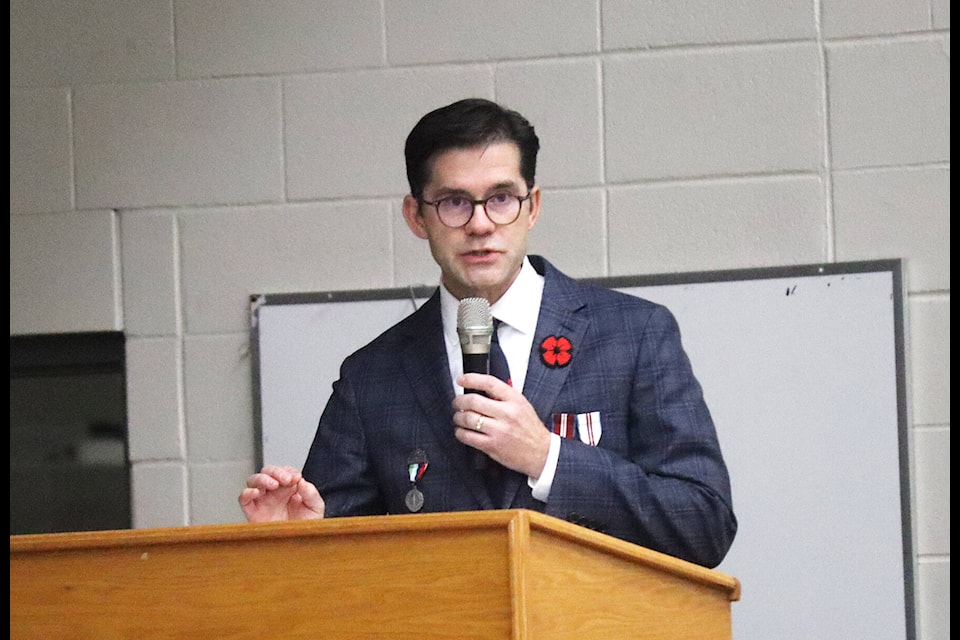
[[562, 314]]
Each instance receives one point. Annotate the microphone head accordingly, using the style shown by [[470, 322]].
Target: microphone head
[[474, 325]]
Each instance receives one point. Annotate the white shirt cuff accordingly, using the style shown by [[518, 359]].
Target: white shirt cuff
[[541, 486]]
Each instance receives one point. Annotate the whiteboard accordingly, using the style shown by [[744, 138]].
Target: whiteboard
[[803, 371]]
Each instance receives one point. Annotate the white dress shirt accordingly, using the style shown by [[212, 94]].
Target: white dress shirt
[[517, 310]]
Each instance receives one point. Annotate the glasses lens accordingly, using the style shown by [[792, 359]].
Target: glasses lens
[[454, 211], [503, 208]]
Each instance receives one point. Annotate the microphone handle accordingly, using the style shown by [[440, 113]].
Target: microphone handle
[[475, 363]]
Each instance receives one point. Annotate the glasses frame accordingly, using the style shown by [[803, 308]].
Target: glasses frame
[[473, 208]]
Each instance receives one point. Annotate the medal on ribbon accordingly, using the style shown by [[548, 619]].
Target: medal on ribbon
[[416, 466]]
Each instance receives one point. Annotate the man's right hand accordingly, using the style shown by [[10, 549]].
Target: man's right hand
[[280, 493]]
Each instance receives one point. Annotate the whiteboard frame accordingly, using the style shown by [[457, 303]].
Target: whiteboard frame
[[417, 294]]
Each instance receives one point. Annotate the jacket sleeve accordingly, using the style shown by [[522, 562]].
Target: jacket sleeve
[[338, 462]]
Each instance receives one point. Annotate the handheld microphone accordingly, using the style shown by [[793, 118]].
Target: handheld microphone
[[475, 328]]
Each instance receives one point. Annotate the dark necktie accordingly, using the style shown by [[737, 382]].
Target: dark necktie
[[494, 472], [498, 362]]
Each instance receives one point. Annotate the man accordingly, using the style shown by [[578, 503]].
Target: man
[[610, 430]]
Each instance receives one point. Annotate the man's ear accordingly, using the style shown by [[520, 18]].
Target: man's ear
[[411, 213], [534, 207]]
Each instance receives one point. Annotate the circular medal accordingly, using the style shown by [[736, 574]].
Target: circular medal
[[414, 499]]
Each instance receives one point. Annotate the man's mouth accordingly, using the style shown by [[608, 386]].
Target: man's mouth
[[480, 252]]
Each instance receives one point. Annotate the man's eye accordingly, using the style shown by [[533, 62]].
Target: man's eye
[[456, 201], [499, 198]]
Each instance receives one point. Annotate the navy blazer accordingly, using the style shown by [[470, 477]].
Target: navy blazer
[[656, 476]]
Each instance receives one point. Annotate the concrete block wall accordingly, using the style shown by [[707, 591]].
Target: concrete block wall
[[168, 158]]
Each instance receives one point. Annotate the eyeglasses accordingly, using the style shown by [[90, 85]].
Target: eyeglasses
[[456, 211]]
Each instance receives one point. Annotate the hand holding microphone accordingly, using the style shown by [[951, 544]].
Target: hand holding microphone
[[512, 434]]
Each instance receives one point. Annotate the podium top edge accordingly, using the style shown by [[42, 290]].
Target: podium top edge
[[249, 530], [517, 523]]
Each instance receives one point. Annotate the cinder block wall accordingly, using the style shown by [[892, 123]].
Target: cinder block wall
[[170, 157]]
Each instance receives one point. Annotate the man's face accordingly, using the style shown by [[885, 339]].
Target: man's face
[[481, 258]]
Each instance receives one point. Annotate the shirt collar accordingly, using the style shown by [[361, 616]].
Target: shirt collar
[[519, 306]]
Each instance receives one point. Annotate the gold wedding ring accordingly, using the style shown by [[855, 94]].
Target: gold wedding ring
[[479, 425]]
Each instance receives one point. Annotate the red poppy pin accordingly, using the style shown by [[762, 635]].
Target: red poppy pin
[[556, 351]]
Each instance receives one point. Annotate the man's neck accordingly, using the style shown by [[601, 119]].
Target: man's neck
[[491, 295]]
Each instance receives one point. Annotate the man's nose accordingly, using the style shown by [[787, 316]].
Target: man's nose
[[480, 220]]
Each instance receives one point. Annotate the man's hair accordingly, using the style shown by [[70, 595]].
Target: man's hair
[[465, 124]]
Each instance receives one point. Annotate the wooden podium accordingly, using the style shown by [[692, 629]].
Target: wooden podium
[[489, 574]]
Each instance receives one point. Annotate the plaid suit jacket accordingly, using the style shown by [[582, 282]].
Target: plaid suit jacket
[[655, 477]]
